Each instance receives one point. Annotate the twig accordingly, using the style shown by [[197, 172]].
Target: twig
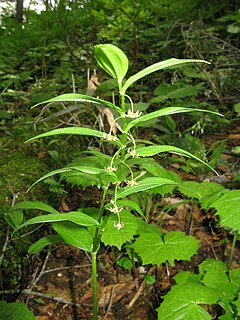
[[4, 248], [206, 240], [42, 271], [7, 240], [137, 295], [36, 277], [66, 268], [110, 303], [43, 295]]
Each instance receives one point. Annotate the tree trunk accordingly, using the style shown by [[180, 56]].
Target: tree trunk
[[19, 11]]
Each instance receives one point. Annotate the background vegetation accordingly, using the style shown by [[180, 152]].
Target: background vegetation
[[50, 52]]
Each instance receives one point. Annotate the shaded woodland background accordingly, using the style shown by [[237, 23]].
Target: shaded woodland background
[[50, 52]]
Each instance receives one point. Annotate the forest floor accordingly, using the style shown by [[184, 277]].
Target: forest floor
[[63, 289]]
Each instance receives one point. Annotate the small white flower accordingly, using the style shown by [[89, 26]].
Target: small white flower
[[132, 114], [133, 153], [111, 169], [119, 225], [114, 208], [109, 137], [131, 183]]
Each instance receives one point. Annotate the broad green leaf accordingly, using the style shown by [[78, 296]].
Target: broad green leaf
[[112, 59], [117, 237], [208, 200], [15, 311], [155, 67], [73, 130], [77, 97], [39, 245], [84, 169], [185, 277], [153, 248], [156, 170], [152, 150], [35, 205], [73, 216], [181, 303], [98, 161], [74, 235], [234, 276], [144, 185], [228, 209], [14, 218], [132, 205], [164, 112], [193, 189], [215, 276]]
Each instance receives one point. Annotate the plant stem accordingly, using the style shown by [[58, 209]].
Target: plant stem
[[95, 248], [233, 247], [94, 284]]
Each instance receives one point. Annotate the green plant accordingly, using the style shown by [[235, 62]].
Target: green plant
[[118, 219], [15, 310], [214, 284]]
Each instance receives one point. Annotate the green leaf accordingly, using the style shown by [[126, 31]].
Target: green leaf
[[193, 189], [228, 209], [35, 205], [237, 304], [236, 108], [181, 303], [208, 200], [153, 248], [164, 112], [98, 161], [132, 205], [72, 130], [39, 245], [155, 67], [74, 235], [166, 90], [73, 216], [215, 276], [152, 150], [144, 185], [234, 276], [76, 97], [112, 59], [185, 277], [117, 237], [84, 169], [233, 28], [15, 311], [14, 218], [156, 170]]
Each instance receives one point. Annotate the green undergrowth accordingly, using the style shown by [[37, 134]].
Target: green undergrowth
[[17, 171]]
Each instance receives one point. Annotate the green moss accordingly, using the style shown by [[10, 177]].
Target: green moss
[[18, 172]]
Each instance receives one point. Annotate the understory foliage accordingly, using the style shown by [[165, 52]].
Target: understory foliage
[[49, 54], [129, 170]]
